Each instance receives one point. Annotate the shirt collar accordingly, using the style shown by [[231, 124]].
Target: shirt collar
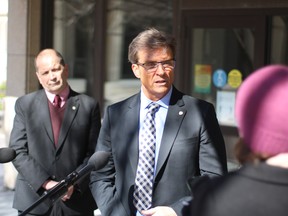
[[163, 102], [63, 94]]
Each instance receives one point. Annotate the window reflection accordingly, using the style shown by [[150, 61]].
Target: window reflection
[[279, 43], [125, 19], [221, 58], [73, 37], [219, 49]]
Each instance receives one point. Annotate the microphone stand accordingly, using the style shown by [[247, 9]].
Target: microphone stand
[[97, 161], [55, 192]]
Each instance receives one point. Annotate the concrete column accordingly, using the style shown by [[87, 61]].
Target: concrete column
[[114, 43], [22, 46]]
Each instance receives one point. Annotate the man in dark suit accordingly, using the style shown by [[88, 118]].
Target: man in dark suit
[[189, 142], [52, 139]]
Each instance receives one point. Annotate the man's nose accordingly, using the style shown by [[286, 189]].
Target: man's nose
[[51, 75], [160, 68]]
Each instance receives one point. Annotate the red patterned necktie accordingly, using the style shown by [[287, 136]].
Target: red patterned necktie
[[56, 120], [57, 101]]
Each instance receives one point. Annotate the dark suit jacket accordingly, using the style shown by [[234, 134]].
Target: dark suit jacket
[[192, 145], [37, 158], [256, 189]]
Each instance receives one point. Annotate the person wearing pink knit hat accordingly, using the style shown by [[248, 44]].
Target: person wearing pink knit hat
[[260, 186]]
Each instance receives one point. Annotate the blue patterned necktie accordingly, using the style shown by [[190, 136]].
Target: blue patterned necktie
[[145, 171]]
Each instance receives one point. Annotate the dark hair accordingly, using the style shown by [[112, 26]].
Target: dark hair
[[62, 61], [150, 39], [244, 154]]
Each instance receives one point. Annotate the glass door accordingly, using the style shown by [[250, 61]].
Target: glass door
[[220, 59], [219, 52]]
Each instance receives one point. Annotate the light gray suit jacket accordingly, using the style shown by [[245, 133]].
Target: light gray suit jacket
[[37, 158], [192, 145]]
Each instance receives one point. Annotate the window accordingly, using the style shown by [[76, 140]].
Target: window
[[218, 53], [125, 19], [73, 37], [279, 40]]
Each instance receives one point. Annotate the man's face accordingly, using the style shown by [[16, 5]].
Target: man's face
[[51, 74], [156, 81]]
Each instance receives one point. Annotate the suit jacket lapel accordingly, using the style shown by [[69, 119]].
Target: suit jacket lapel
[[44, 114], [72, 106], [133, 116], [175, 115]]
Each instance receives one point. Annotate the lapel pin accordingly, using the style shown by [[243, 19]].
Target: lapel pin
[[73, 108], [180, 112]]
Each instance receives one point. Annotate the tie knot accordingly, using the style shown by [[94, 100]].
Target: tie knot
[[153, 107], [57, 101]]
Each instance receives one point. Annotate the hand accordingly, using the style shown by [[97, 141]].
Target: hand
[[49, 184], [69, 193], [159, 211]]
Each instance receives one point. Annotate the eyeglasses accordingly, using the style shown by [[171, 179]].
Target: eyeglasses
[[151, 67]]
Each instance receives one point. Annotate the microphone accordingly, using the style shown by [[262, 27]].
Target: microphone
[[97, 161], [7, 155]]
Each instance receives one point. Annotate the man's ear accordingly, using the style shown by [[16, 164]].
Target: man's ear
[[136, 71], [38, 77], [66, 70]]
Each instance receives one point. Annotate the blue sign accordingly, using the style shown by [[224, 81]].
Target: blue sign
[[219, 78]]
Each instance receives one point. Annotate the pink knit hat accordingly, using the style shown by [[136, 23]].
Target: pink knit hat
[[262, 110]]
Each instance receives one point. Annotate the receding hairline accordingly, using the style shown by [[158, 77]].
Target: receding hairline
[[49, 52]]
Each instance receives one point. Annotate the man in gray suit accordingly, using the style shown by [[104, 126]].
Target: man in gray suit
[[52, 139], [189, 142]]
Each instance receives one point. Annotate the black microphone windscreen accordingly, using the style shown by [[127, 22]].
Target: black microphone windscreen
[[7, 155], [99, 159]]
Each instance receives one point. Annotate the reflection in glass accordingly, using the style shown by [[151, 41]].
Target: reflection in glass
[[229, 51], [73, 37], [279, 42]]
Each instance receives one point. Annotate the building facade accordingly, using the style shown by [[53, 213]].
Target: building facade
[[219, 43]]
